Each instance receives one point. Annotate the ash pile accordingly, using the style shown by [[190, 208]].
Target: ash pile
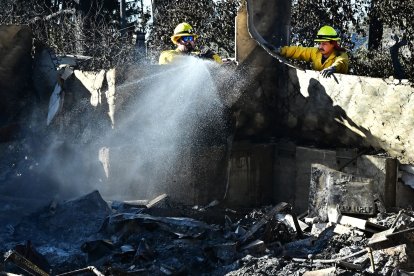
[[91, 236]]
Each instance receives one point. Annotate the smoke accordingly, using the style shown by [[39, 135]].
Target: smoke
[[171, 134]]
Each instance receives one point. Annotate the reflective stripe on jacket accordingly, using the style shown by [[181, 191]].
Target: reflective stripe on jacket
[[338, 59], [169, 56]]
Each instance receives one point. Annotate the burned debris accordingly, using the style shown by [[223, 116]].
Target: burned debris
[[103, 137], [160, 237]]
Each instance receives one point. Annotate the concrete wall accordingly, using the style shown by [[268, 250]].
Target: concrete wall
[[270, 173], [353, 109]]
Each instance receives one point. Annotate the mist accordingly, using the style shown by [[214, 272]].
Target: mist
[[171, 135]]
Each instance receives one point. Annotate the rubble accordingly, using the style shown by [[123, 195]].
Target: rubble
[[86, 235]]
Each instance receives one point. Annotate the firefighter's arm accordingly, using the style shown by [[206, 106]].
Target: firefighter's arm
[[298, 52], [206, 53]]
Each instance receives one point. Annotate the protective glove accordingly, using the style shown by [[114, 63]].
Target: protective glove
[[328, 72], [206, 53]]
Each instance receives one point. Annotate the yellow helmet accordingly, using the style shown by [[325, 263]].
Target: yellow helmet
[[183, 29], [326, 33]]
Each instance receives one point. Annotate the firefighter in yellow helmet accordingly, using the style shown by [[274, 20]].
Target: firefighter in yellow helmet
[[185, 40], [328, 57]]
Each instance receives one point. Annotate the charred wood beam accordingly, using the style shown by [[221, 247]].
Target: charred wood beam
[[299, 233], [24, 263], [268, 216], [376, 28]]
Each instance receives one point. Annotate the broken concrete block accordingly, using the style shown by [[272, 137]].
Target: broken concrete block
[[322, 272], [330, 188], [383, 171], [342, 229], [317, 228], [305, 157], [360, 224]]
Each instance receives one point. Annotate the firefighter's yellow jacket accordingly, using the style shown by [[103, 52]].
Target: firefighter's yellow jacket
[[169, 56], [338, 59]]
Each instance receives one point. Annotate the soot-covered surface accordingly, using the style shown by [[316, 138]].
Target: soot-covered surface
[[119, 238]]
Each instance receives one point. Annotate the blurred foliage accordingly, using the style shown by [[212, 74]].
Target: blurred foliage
[[352, 18], [345, 16], [91, 28], [212, 20]]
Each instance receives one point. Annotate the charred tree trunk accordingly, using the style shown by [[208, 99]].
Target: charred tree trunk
[[122, 11], [376, 28]]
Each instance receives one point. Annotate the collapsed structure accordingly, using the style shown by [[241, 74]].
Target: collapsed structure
[[249, 148]]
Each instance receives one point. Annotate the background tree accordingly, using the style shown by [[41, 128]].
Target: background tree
[[87, 27]]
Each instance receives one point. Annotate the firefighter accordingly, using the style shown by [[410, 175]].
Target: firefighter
[[328, 57], [185, 39]]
